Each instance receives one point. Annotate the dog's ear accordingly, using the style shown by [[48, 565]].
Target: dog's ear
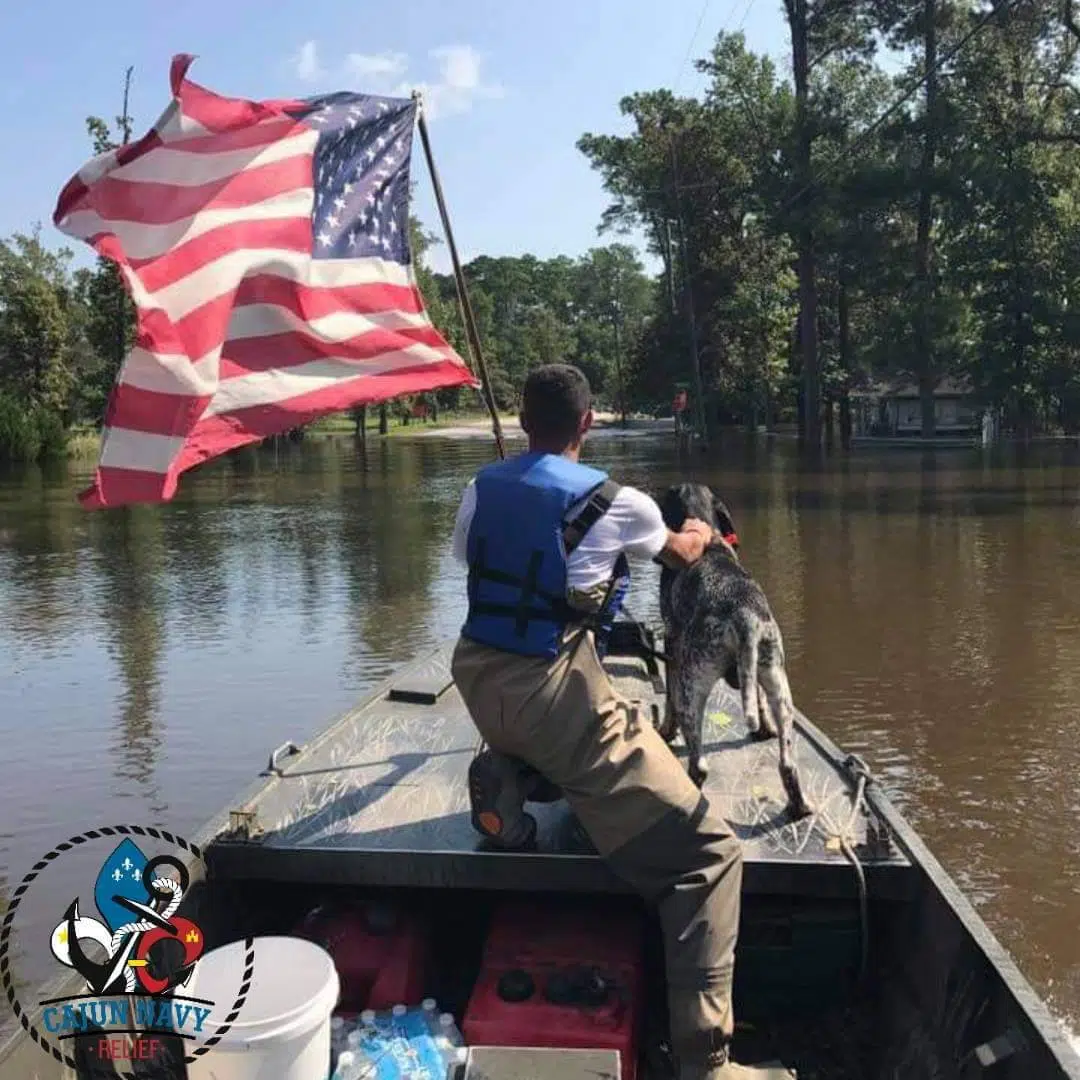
[[725, 524], [673, 509]]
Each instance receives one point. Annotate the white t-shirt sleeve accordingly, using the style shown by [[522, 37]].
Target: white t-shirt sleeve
[[641, 526], [464, 520]]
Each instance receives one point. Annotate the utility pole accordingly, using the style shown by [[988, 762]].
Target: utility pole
[[670, 266], [125, 119], [695, 354], [616, 320]]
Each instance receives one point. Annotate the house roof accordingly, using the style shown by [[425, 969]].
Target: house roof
[[904, 388]]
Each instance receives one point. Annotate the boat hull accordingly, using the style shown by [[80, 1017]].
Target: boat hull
[[858, 958]]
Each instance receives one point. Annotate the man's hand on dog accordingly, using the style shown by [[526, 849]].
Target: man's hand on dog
[[686, 546], [695, 525]]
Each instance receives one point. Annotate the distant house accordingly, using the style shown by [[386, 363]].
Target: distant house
[[892, 408]]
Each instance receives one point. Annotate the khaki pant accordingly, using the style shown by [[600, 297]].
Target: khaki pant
[[641, 811]]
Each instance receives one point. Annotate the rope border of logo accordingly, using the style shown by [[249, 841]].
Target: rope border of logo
[[5, 943]]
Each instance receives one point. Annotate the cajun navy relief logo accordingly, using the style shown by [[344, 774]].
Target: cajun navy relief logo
[[118, 956], [135, 956]]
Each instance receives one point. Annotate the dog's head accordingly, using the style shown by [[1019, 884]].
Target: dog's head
[[698, 501]]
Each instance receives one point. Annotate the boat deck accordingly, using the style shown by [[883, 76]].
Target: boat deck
[[380, 799]]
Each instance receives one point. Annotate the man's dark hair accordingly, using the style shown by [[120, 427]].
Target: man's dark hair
[[555, 398]]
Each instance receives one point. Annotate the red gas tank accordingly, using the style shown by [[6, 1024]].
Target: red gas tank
[[380, 954], [560, 979]]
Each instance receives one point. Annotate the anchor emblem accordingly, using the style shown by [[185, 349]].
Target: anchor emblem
[[137, 904]]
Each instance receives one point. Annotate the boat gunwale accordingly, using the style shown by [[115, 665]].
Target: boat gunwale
[[1024, 996]]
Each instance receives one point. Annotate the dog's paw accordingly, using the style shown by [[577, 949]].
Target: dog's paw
[[699, 772], [799, 806]]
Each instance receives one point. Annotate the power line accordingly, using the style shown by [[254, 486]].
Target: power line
[[849, 151], [697, 30], [865, 135], [746, 11]]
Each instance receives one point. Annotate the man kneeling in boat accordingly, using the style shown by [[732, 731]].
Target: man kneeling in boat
[[545, 539]]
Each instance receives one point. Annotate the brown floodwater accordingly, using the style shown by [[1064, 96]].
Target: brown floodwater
[[930, 600]]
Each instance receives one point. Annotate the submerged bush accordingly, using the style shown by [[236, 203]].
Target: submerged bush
[[30, 433]]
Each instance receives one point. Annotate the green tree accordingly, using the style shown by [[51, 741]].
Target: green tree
[[111, 316], [39, 347]]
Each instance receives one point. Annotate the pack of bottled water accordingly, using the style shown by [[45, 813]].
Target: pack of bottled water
[[402, 1044]]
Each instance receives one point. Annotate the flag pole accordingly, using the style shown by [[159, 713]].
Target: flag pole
[[471, 334]]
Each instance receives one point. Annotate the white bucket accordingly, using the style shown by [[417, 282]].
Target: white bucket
[[283, 1029]]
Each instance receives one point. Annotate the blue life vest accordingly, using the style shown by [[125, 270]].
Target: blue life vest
[[517, 548]]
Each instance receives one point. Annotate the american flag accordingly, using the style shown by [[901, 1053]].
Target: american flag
[[265, 246]]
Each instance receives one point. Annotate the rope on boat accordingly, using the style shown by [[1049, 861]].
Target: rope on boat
[[856, 767], [162, 884]]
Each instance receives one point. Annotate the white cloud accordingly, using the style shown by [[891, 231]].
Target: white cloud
[[306, 62], [379, 71], [458, 83]]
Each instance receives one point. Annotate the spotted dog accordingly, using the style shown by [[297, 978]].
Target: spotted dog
[[718, 624]]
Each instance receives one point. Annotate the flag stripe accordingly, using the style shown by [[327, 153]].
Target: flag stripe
[[171, 373], [254, 356], [117, 486], [152, 203], [197, 159], [259, 421], [125, 449], [263, 321], [214, 112], [317, 301], [267, 238], [186, 295], [142, 241], [202, 329], [153, 413]]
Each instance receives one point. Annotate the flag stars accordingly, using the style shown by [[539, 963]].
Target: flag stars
[[360, 166]]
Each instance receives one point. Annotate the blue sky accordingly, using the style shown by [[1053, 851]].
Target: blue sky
[[510, 85]]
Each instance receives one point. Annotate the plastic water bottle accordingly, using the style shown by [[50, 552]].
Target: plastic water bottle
[[337, 1034], [447, 1036], [350, 1067], [455, 1067], [449, 1043]]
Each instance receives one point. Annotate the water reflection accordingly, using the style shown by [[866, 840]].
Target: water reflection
[[128, 567], [930, 603]]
